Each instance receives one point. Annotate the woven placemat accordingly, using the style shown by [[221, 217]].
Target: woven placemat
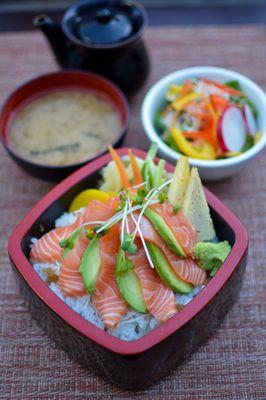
[[231, 365]]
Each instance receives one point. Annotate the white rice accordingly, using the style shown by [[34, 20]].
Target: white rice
[[133, 326], [66, 219]]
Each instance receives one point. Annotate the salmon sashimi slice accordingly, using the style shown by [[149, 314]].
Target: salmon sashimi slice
[[180, 226], [47, 248], [186, 269], [159, 299], [98, 211], [148, 231], [107, 298], [70, 280]]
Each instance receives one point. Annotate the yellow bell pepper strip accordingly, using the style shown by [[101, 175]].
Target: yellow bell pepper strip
[[120, 167], [206, 152], [173, 92], [135, 168], [176, 88], [230, 154], [257, 137], [84, 197], [180, 104]]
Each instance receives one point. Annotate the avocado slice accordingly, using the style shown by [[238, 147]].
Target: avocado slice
[[211, 256], [128, 283], [91, 264], [165, 271], [164, 231]]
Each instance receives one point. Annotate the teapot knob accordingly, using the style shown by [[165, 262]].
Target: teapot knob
[[104, 15]]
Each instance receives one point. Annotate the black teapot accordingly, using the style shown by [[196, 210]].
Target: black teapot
[[104, 36]]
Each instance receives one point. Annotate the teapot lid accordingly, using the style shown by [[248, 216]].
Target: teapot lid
[[104, 22]]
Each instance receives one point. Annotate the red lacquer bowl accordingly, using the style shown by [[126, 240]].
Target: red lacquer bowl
[[61, 80], [137, 364]]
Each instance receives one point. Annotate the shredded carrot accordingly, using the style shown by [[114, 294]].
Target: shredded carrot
[[219, 103], [135, 168], [204, 114], [193, 134], [120, 166], [211, 125], [225, 88], [167, 109], [187, 88]]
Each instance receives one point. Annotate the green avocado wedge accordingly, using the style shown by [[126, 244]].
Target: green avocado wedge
[[165, 271], [91, 264], [128, 283], [164, 231], [211, 256]]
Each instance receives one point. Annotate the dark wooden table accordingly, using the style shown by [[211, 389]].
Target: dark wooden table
[[231, 365]]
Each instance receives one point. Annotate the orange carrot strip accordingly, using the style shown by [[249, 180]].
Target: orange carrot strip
[[193, 134], [135, 168], [187, 88], [120, 166], [219, 103], [167, 109], [225, 88]]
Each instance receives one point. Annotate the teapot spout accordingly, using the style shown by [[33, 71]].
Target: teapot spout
[[54, 35]]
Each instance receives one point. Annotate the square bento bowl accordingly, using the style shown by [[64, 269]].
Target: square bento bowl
[[140, 363]]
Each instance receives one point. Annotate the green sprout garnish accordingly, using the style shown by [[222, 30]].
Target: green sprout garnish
[[90, 234], [123, 199], [122, 263], [102, 232], [63, 243], [118, 208], [162, 197], [176, 208], [69, 243], [139, 197], [128, 244]]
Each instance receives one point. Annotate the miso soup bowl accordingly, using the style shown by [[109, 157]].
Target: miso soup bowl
[[208, 169], [49, 83], [137, 364]]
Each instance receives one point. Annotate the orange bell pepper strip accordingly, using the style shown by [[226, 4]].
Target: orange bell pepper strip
[[120, 167], [135, 168]]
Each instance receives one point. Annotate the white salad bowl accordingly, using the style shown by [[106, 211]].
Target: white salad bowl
[[208, 169]]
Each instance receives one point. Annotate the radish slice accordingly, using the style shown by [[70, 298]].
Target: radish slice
[[250, 120], [231, 130]]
